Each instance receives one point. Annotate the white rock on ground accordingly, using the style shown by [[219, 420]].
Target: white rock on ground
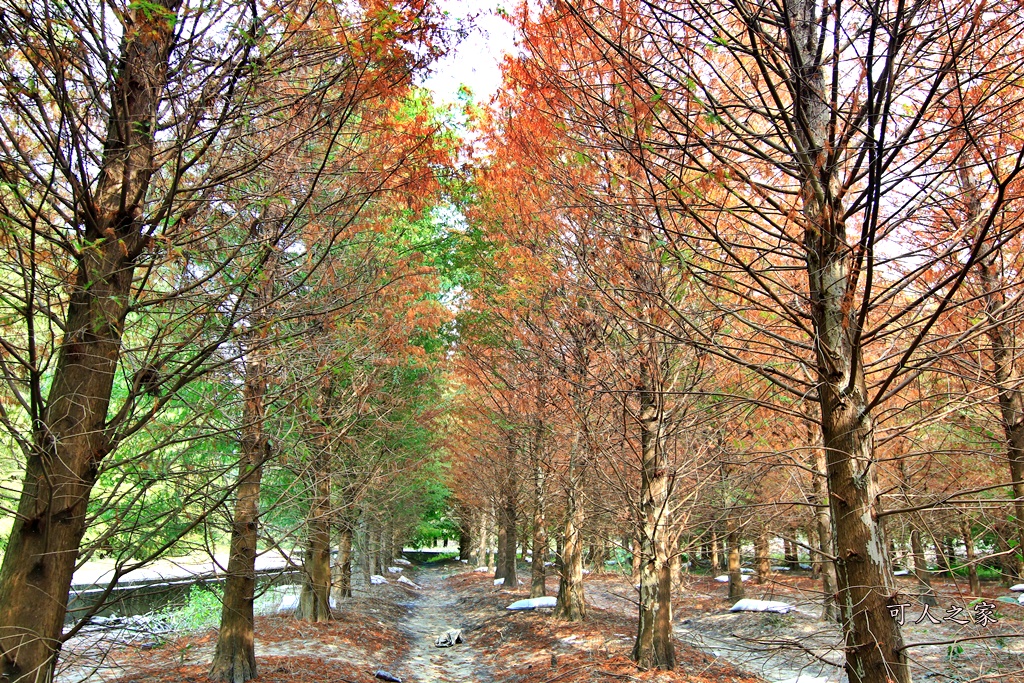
[[901, 572], [724, 578], [377, 579], [499, 582], [403, 562], [394, 570], [481, 570], [751, 605], [407, 582], [532, 603], [1019, 587]]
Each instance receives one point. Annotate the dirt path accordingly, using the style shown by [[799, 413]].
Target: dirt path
[[433, 610]]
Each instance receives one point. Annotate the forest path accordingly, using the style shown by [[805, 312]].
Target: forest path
[[434, 610]]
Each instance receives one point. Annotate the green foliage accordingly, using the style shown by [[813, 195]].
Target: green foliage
[[201, 610], [442, 557]]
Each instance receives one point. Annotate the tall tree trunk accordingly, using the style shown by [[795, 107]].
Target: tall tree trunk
[[653, 647], [501, 556], [570, 605], [234, 659], [732, 536], [716, 558], [481, 551], [343, 589], [764, 565], [636, 555], [941, 559], [972, 564], [874, 642], [789, 553], [70, 438], [823, 528], [1007, 564], [314, 599], [465, 536], [921, 573], [1004, 348], [510, 514], [538, 571]]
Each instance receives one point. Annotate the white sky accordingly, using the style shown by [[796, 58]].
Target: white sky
[[475, 62]]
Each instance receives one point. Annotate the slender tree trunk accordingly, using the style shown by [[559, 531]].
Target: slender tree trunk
[[465, 536], [1007, 565], [676, 569], [921, 573], [732, 536], [70, 437], [509, 518], [314, 599], [343, 589], [1004, 350], [972, 564], [234, 659], [570, 605], [823, 528], [716, 562], [501, 556], [637, 558], [482, 548], [538, 571], [764, 565], [941, 559], [789, 553]]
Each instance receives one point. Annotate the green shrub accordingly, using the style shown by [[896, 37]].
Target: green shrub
[[201, 610]]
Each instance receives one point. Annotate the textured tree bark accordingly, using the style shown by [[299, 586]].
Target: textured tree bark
[[790, 556], [653, 648], [732, 536], [465, 538], [71, 439], [570, 605], [234, 659], [823, 527], [343, 589], [675, 565], [510, 514], [501, 556], [764, 565], [314, 599], [481, 551], [874, 642]]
